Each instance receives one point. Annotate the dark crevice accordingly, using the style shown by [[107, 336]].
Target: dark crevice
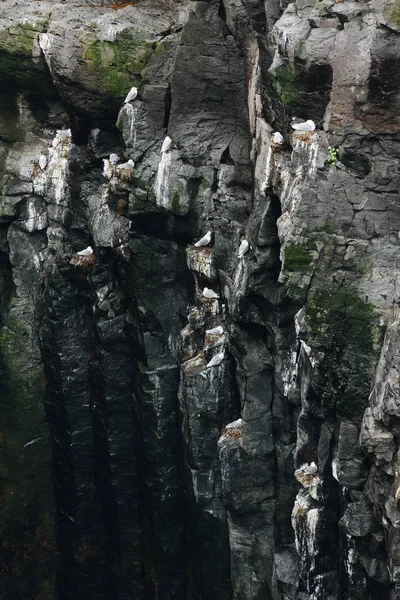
[[167, 107], [222, 10], [226, 157]]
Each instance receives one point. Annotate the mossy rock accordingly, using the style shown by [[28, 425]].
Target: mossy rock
[[116, 66], [18, 67], [392, 14], [285, 82], [297, 257], [345, 327], [176, 202]]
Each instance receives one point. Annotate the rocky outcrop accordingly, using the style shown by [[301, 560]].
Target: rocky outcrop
[[145, 455]]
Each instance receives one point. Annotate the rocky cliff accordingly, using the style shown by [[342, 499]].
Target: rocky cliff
[[129, 469]]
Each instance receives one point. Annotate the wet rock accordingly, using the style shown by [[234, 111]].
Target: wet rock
[[359, 520]]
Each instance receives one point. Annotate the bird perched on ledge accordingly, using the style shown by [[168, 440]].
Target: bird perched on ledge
[[215, 331], [204, 241], [86, 252], [216, 360], [243, 248], [126, 165], [277, 138], [166, 144], [42, 162], [114, 158], [306, 126], [310, 469], [132, 94], [210, 294]]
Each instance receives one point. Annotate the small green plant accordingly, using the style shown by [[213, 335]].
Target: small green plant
[[333, 155]]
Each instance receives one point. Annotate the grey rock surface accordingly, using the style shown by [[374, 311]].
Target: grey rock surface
[[129, 469]]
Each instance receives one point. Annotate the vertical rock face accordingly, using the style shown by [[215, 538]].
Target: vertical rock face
[[177, 421]]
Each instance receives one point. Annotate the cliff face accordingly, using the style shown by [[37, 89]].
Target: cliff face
[[130, 470]]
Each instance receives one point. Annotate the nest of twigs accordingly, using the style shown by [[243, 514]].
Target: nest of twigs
[[125, 174], [84, 262], [232, 432], [304, 136]]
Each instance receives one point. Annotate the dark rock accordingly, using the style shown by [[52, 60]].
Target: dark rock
[[359, 520]]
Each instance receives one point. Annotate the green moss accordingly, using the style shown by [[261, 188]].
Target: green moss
[[120, 124], [345, 327], [93, 27], [285, 82], [297, 292], [17, 66], [117, 65], [20, 38], [193, 185], [297, 257], [159, 48], [176, 202], [395, 14], [329, 227]]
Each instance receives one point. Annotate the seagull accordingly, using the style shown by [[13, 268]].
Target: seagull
[[310, 469], [86, 252], [114, 158], [216, 360], [131, 95], [215, 331], [243, 248], [210, 294], [307, 126], [204, 241], [42, 162], [127, 165], [166, 144], [277, 138]]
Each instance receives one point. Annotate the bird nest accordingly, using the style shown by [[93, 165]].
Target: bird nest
[[84, 262], [305, 136], [125, 175], [204, 249], [208, 300], [211, 338], [278, 147], [233, 432]]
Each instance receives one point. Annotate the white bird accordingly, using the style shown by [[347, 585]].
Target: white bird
[[216, 360], [307, 126], [127, 165], [277, 138], [204, 241], [62, 134], [310, 469], [215, 331], [114, 158], [166, 144], [107, 168], [243, 248], [131, 95], [86, 252], [208, 293], [42, 162]]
